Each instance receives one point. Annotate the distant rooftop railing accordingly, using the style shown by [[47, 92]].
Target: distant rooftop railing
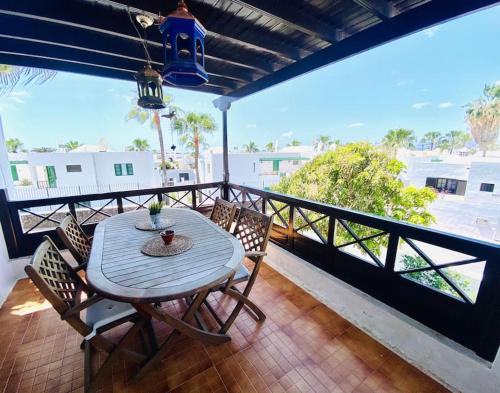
[[363, 250]]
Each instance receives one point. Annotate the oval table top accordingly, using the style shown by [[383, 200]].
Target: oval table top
[[118, 270]]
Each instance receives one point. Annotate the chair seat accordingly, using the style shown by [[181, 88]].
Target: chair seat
[[107, 311]]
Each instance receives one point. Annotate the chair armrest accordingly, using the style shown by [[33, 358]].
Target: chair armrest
[[81, 306], [255, 254]]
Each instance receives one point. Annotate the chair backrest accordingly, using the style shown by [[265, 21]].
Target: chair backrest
[[57, 282], [223, 213], [53, 276], [253, 229], [73, 237]]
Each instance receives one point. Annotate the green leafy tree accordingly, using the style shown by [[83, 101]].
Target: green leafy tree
[[433, 279], [193, 129], [323, 143], [269, 146], [483, 118], [11, 76], [251, 147], [71, 145], [398, 138], [360, 177], [43, 149], [139, 144], [14, 145], [454, 140], [433, 138], [295, 142], [142, 116]]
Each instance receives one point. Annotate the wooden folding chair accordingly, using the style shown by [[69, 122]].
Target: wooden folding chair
[[223, 213], [253, 230], [62, 287], [75, 240]]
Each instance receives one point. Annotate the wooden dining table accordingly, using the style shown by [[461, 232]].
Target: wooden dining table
[[117, 269]]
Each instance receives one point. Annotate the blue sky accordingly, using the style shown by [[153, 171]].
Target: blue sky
[[420, 82]]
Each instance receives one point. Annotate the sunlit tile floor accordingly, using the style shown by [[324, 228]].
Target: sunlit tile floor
[[303, 346]]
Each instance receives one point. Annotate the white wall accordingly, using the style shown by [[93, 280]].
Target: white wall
[[446, 361], [9, 271], [418, 172], [59, 160], [483, 172], [142, 162]]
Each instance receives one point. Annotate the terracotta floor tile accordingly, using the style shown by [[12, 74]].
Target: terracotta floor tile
[[302, 346]]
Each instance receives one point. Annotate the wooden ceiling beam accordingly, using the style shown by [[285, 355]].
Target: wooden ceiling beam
[[268, 41], [299, 19], [95, 59], [106, 21], [382, 9]]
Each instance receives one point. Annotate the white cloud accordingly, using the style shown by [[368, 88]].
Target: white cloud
[[429, 33], [249, 125], [419, 105], [446, 104], [497, 83], [283, 109], [358, 124], [17, 96], [20, 93], [424, 90], [17, 100], [287, 134]]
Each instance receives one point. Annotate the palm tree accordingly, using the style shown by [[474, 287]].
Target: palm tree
[[323, 143], [454, 140], [193, 129], [14, 145], [483, 118], [432, 137], [139, 144], [398, 138], [269, 146], [71, 145], [295, 142], [11, 76], [251, 147], [154, 117]]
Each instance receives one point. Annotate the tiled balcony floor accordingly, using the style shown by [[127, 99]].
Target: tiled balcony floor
[[302, 347]]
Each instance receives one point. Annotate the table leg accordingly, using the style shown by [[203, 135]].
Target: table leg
[[180, 327]]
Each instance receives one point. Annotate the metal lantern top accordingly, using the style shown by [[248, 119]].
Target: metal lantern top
[[149, 88], [184, 64]]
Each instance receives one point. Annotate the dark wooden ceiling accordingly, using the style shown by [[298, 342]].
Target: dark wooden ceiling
[[250, 44]]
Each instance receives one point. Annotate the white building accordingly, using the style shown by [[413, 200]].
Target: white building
[[82, 172], [469, 192], [260, 169]]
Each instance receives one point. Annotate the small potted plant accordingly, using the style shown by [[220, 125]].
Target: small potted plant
[[154, 213]]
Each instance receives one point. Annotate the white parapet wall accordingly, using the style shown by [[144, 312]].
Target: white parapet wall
[[447, 362]]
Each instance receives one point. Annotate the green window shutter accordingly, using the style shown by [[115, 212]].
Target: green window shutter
[[118, 170], [130, 169], [276, 165], [13, 170]]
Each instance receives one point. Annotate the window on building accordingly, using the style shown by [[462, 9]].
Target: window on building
[[15, 175], [487, 187], [295, 162], [254, 167], [124, 169], [73, 168], [183, 176], [276, 165], [118, 170], [448, 186], [130, 169]]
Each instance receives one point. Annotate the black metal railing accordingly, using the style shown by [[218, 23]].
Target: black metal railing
[[373, 261], [363, 250], [25, 222]]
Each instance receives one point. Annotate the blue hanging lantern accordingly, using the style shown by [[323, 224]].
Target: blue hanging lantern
[[185, 66]]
